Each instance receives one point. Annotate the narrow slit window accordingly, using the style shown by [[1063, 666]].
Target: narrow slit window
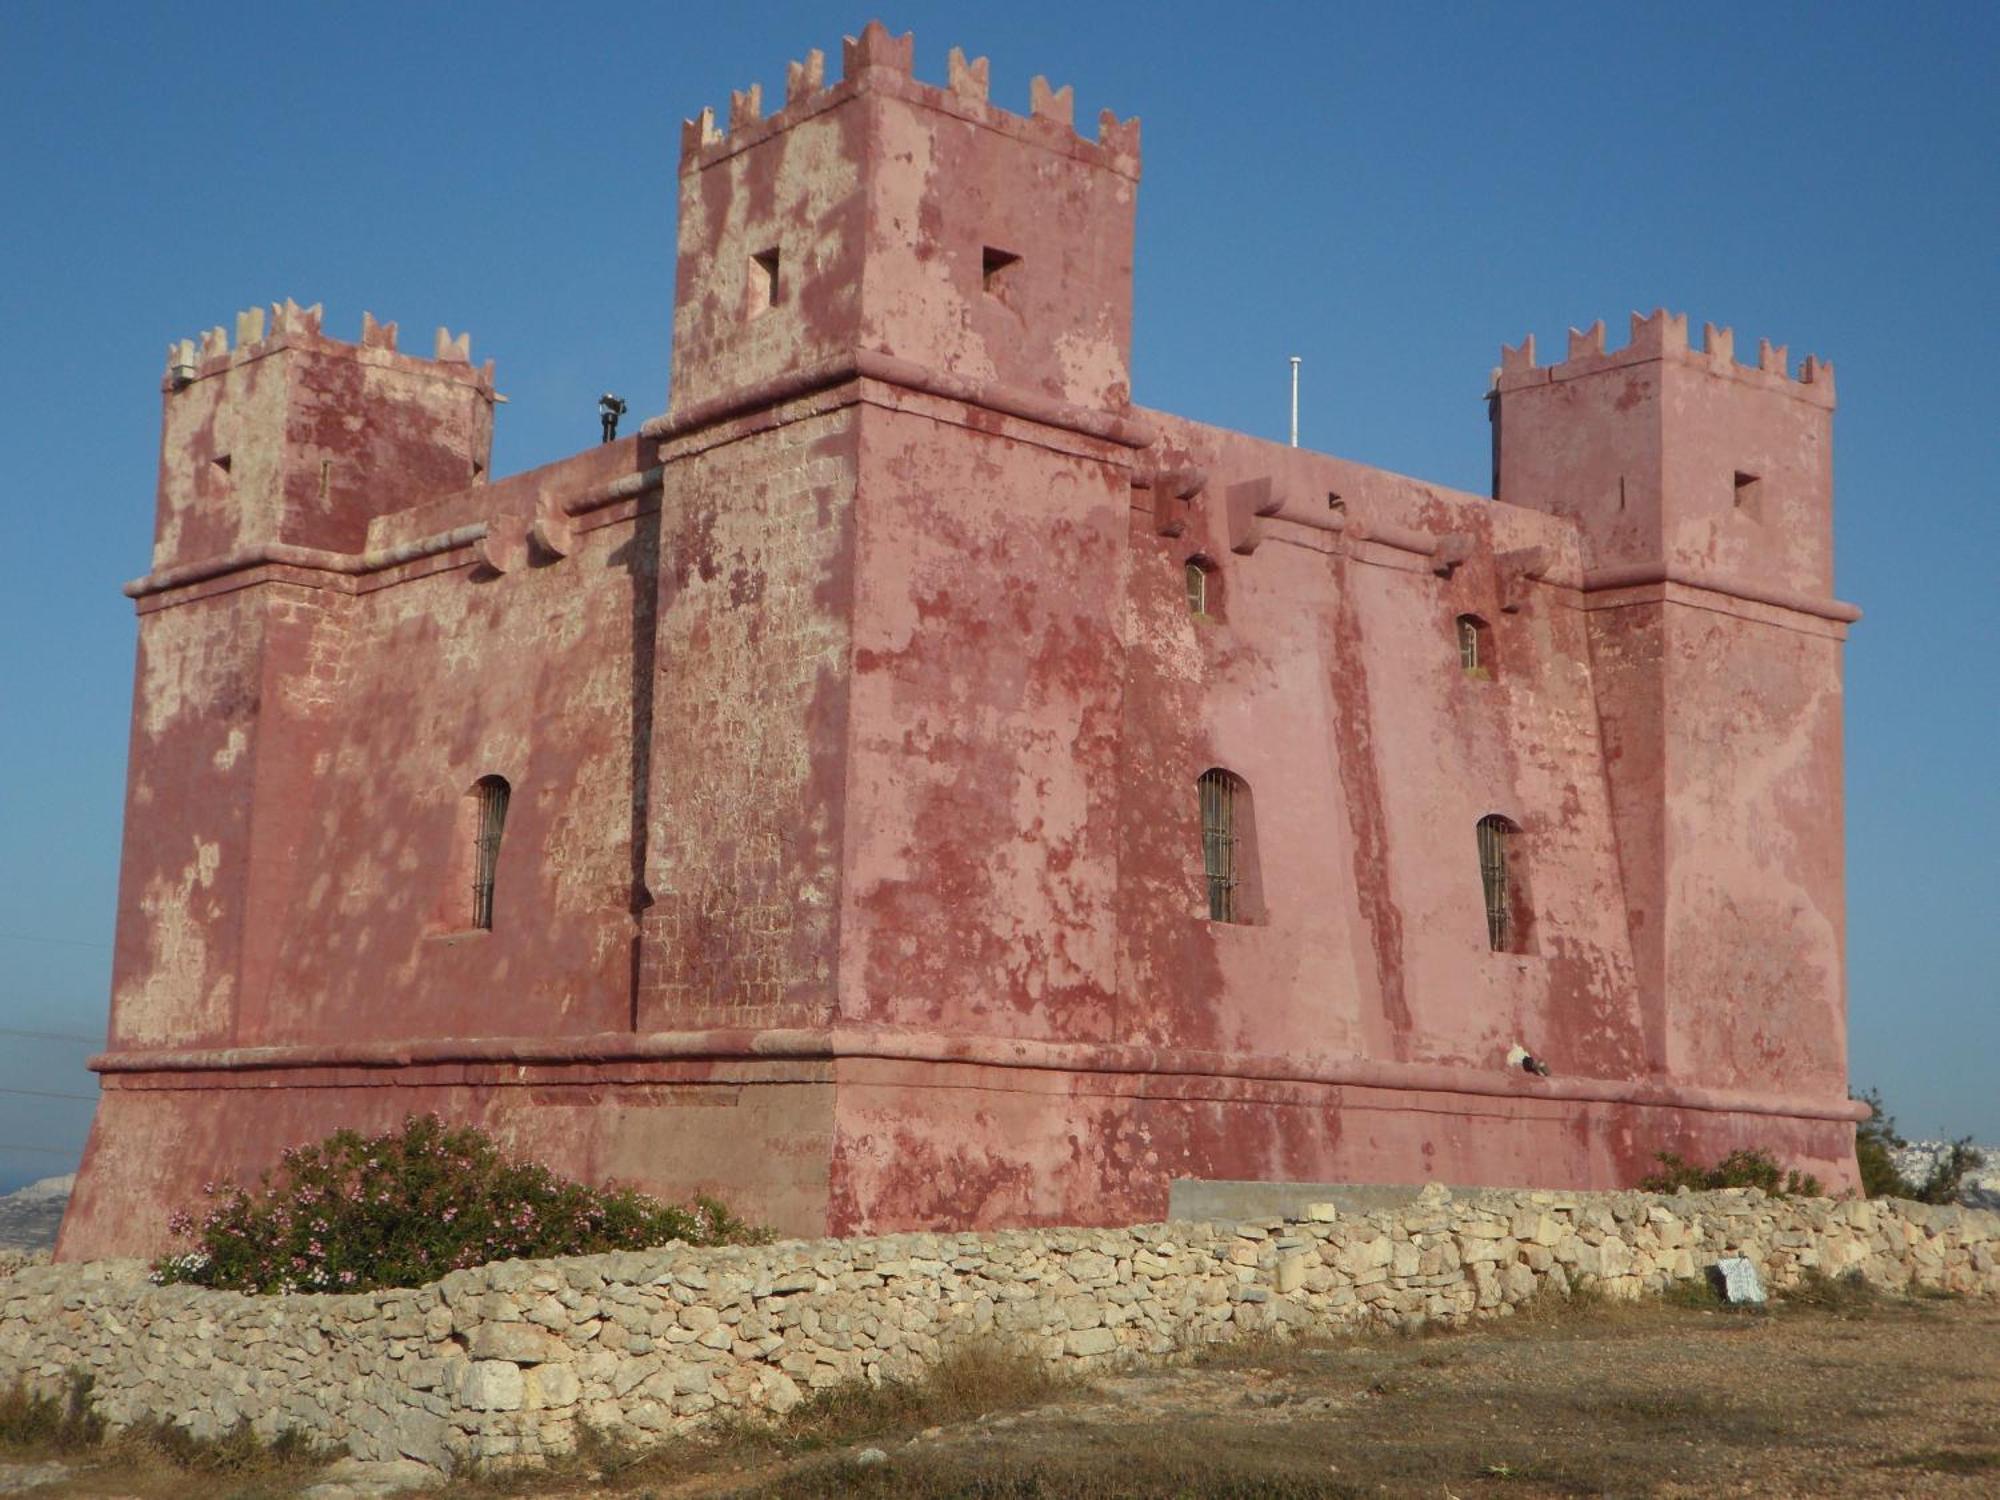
[[1475, 646], [1498, 879], [1198, 581], [1750, 495], [1221, 847], [996, 269], [763, 287], [490, 798]]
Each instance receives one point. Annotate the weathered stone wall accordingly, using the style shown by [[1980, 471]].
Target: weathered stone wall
[[508, 1361]]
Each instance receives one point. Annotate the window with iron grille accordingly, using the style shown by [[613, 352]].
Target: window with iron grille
[[1474, 650], [1221, 850], [1496, 834], [490, 797], [1197, 586]]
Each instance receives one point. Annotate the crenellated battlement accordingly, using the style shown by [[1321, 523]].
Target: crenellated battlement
[[1663, 335], [289, 325], [877, 61]]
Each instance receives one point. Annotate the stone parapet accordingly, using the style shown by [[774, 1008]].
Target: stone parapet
[[506, 1363]]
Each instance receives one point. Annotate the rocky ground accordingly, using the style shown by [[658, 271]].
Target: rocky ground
[[1838, 1393]]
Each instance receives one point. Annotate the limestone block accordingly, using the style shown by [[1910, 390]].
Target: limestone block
[[421, 1436], [1292, 1272], [1366, 1255], [1082, 1312], [522, 1343], [490, 1385], [1089, 1341], [550, 1386]]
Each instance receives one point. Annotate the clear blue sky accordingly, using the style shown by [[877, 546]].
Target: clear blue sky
[[1388, 191]]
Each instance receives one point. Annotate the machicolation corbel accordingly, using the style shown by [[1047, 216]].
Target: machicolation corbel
[[1514, 570], [1247, 504], [1173, 492], [504, 548], [1454, 550]]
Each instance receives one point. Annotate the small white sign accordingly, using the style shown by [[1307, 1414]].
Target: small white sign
[[1739, 1279]]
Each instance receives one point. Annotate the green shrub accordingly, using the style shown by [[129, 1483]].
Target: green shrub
[[355, 1213], [1875, 1139], [1739, 1169], [1947, 1176]]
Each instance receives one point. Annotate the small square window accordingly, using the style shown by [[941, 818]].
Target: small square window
[[996, 268]]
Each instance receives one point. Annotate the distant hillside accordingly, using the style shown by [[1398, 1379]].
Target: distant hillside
[[29, 1219]]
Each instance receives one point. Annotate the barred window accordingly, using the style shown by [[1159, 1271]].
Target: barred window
[[1199, 577], [1475, 649], [1496, 837], [489, 795], [1221, 846]]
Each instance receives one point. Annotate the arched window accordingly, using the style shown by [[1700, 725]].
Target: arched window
[[1200, 585], [1500, 877], [489, 798], [1227, 856], [1475, 646]]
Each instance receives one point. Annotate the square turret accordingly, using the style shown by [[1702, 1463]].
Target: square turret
[[882, 216]]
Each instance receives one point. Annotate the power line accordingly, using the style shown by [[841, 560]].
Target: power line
[[28, 937], [39, 1150], [46, 1094], [52, 1036]]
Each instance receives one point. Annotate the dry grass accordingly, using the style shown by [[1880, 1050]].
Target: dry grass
[[153, 1459], [1835, 1390]]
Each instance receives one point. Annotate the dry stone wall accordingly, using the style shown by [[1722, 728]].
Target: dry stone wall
[[508, 1362]]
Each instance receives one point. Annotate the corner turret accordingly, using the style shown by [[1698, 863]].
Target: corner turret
[[292, 436], [1702, 490], [1675, 459]]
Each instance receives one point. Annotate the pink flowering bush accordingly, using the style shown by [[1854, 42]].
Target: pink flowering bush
[[357, 1212]]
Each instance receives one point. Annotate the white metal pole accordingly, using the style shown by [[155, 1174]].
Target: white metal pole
[[1295, 401]]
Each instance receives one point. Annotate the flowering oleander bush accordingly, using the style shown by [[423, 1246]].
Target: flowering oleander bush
[[357, 1212]]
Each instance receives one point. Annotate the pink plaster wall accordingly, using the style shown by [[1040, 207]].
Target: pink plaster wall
[[853, 712]]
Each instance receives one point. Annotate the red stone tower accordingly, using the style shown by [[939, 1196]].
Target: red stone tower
[[803, 798]]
